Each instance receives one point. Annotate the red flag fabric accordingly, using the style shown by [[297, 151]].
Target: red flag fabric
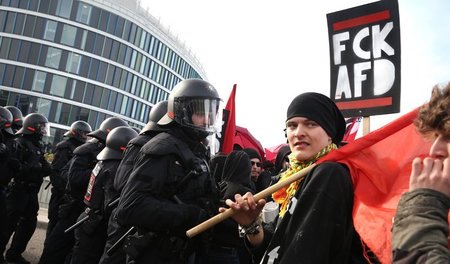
[[271, 152], [380, 165], [230, 125], [244, 139]]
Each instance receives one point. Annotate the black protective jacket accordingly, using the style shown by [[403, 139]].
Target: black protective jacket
[[127, 162], [62, 155], [33, 166], [9, 162], [168, 192], [81, 165]]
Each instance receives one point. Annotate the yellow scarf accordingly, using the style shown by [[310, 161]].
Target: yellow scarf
[[284, 195]]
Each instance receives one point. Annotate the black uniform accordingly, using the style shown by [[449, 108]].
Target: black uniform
[[22, 199], [59, 244], [90, 237], [62, 155], [116, 231], [169, 191], [9, 164]]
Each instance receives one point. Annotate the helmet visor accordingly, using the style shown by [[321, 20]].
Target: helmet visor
[[200, 113], [43, 129]]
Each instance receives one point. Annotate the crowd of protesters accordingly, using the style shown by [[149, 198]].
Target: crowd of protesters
[[119, 196]]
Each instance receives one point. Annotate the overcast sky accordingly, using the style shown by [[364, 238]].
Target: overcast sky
[[275, 50]]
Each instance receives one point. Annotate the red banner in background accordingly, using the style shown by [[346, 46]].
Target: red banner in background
[[229, 126]]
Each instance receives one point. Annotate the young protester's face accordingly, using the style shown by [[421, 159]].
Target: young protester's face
[[441, 146], [306, 138]]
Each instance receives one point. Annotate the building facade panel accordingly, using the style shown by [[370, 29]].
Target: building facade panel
[[87, 60]]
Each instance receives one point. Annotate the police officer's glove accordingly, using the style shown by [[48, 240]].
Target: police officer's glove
[[194, 215]]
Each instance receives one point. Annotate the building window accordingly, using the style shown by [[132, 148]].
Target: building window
[[50, 30], [43, 106], [112, 24], [64, 7], [103, 22], [20, 19], [77, 91], [124, 105], [58, 86], [18, 77], [84, 13], [68, 35], [9, 26], [29, 25], [73, 63], [39, 81], [53, 57], [105, 98], [112, 101], [24, 51]]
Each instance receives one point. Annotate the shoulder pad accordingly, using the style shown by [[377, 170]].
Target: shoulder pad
[[86, 148], [163, 144], [140, 140], [65, 144]]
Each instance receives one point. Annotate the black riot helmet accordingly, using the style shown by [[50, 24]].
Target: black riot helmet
[[17, 117], [116, 142], [193, 104], [36, 124], [79, 130], [106, 126], [158, 111], [6, 120]]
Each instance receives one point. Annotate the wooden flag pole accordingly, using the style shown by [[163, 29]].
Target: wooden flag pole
[[366, 125], [261, 195]]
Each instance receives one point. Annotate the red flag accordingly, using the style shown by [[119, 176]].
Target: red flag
[[230, 123], [380, 165]]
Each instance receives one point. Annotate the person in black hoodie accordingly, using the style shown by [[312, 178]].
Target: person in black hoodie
[[227, 246]]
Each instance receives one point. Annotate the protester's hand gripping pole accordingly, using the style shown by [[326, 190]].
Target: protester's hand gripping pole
[[262, 194]]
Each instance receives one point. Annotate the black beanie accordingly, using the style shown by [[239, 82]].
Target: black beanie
[[252, 153], [320, 109]]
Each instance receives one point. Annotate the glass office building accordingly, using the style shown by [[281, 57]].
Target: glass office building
[[87, 60]]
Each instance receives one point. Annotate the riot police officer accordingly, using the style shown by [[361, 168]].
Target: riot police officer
[[74, 137], [6, 141], [58, 245], [100, 199], [22, 200], [17, 117], [116, 231], [170, 188], [5, 132]]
